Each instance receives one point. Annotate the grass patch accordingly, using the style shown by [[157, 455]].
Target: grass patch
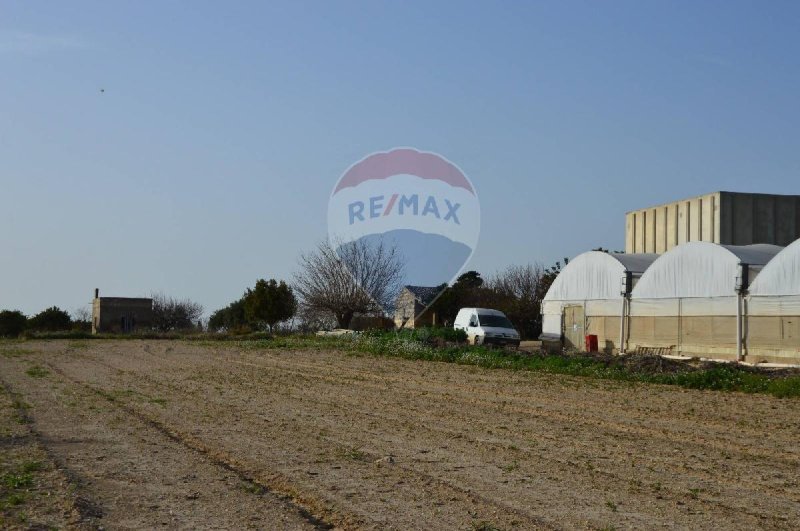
[[20, 410], [14, 352], [644, 369], [37, 372], [354, 454]]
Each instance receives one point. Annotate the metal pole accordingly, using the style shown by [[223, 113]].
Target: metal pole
[[739, 298], [622, 326]]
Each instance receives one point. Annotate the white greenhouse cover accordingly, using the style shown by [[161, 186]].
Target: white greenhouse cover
[[781, 276], [700, 269], [596, 275]]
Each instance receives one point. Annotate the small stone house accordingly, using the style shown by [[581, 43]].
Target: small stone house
[[411, 309], [121, 315]]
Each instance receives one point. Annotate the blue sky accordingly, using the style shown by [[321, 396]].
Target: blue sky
[[208, 160]]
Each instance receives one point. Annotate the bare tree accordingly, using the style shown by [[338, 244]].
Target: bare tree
[[170, 313], [81, 314], [356, 278], [518, 291], [518, 281]]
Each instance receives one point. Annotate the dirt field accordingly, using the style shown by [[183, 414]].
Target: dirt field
[[141, 434]]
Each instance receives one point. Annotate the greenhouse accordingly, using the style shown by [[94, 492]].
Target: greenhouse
[[700, 299], [772, 310], [691, 300], [587, 298]]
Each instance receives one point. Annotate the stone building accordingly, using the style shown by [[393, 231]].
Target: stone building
[[411, 309], [121, 315]]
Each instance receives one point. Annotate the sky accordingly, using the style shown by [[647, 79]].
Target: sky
[[190, 148]]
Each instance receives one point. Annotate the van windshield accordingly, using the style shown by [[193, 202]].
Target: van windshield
[[497, 321]]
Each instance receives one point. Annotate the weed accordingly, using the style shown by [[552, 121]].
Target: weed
[[694, 493], [37, 372], [252, 488], [12, 500], [17, 481], [511, 467], [160, 401], [14, 352], [31, 466], [20, 414], [353, 453], [418, 346], [611, 505]]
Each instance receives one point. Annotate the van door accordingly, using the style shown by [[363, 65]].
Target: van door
[[574, 325], [473, 329]]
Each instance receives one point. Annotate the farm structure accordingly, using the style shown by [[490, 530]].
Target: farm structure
[[411, 308], [700, 299], [121, 314]]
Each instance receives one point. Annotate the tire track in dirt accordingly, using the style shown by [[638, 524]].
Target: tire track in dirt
[[606, 474], [214, 456], [746, 449], [277, 482], [304, 375], [87, 510]]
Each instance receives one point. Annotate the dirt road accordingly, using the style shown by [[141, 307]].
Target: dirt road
[[163, 433]]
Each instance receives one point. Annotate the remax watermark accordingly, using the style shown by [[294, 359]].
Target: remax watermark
[[417, 201]]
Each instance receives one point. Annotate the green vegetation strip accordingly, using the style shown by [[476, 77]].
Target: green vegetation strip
[[446, 345], [418, 346]]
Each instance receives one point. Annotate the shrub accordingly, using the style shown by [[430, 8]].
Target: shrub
[[51, 320], [12, 323]]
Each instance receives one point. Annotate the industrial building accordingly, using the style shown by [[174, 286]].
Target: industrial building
[[698, 299], [727, 218], [121, 315]]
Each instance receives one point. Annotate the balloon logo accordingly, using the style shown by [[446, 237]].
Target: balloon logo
[[418, 202]]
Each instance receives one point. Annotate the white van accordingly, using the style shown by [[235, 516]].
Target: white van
[[484, 327]]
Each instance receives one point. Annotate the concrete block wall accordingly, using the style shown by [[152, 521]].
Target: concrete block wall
[[728, 218]]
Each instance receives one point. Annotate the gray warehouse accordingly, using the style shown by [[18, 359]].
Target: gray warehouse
[[727, 218]]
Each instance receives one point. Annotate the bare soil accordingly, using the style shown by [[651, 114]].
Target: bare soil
[[168, 433]]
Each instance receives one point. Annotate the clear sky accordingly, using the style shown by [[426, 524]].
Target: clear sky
[[208, 158]]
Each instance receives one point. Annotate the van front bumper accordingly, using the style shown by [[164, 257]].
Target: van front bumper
[[500, 341]]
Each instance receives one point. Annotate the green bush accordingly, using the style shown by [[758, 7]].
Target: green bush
[[12, 323], [50, 320]]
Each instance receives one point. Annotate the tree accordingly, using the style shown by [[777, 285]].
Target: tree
[[229, 318], [170, 313], [466, 291], [469, 280], [12, 323], [357, 277], [269, 302], [52, 319], [82, 319], [518, 294]]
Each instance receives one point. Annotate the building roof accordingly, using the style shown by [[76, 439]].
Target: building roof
[[425, 295], [781, 275], [596, 275], [701, 269]]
